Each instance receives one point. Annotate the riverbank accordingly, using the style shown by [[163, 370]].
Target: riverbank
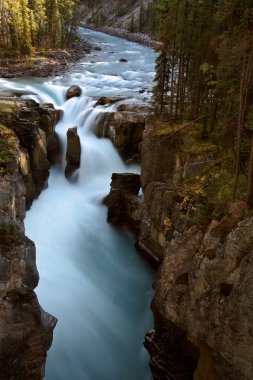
[[140, 38], [46, 63]]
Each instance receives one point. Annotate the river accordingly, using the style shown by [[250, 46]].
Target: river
[[91, 278]]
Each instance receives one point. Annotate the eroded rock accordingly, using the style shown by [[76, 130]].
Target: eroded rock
[[54, 149], [125, 130], [34, 125], [73, 91], [124, 204], [26, 330], [73, 155], [213, 303]]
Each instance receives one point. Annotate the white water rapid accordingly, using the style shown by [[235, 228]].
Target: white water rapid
[[91, 278]]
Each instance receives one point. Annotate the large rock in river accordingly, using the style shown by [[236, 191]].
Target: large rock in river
[[73, 91], [73, 155]]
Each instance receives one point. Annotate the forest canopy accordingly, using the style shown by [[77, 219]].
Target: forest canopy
[[29, 24], [204, 72]]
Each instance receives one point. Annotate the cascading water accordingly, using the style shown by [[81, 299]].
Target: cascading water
[[91, 278]]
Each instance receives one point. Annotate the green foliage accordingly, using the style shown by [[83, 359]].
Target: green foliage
[[249, 119], [8, 147], [131, 27], [204, 72], [28, 24]]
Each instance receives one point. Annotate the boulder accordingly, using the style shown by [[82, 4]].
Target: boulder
[[73, 91], [73, 155]]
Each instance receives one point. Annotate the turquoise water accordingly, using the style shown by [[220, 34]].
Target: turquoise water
[[91, 277]]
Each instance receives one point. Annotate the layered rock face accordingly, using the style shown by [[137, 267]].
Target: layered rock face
[[158, 163], [34, 126], [203, 303], [26, 330], [203, 287], [124, 128]]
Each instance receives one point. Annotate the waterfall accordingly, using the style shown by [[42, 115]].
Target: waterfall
[[91, 278]]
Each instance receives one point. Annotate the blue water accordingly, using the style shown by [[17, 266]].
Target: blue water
[[91, 277]]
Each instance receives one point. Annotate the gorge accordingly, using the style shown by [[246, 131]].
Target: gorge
[[92, 279]]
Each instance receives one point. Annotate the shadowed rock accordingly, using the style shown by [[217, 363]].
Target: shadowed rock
[[54, 149], [124, 204], [73, 155], [26, 330]]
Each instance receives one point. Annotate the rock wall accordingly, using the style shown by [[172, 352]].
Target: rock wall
[[124, 129], [26, 330], [34, 126], [203, 302]]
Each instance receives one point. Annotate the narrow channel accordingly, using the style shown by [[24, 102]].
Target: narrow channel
[[91, 278]]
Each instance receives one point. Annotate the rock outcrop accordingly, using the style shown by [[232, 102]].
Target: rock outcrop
[[34, 126], [204, 287], [25, 328], [125, 130], [109, 100], [73, 155], [124, 205], [73, 91], [159, 162], [203, 303]]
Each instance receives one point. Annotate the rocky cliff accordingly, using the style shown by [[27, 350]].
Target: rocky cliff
[[124, 127], [25, 328], [112, 13], [203, 290]]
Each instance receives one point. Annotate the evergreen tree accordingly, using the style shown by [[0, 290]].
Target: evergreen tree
[[205, 70], [25, 24], [132, 25]]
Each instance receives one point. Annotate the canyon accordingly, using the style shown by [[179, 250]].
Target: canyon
[[202, 303]]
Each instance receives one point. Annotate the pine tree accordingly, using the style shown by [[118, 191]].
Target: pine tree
[[160, 90], [132, 25], [141, 16]]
